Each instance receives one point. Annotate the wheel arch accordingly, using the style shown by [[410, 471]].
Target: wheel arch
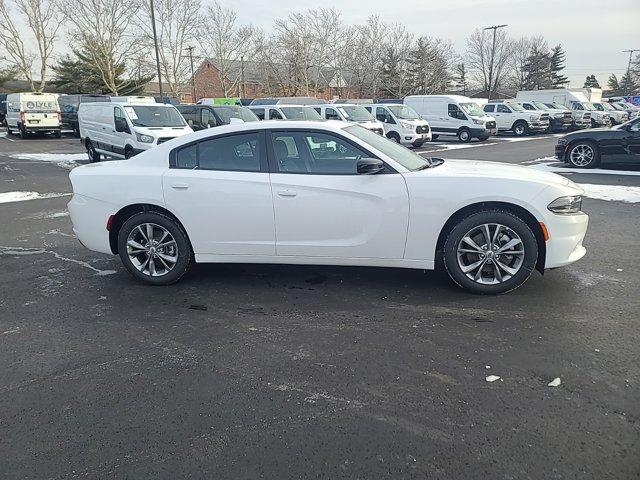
[[127, 212], [530, 219], [519, 121]]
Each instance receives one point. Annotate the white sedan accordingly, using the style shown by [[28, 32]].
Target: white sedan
[[324, 193]]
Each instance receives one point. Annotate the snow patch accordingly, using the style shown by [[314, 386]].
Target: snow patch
[[21, 251], [10, 197], [555, 382], [67, 160], [614, 193], [492, 378]]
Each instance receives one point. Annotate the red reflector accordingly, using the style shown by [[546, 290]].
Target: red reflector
[[110, 222], [545, 231]]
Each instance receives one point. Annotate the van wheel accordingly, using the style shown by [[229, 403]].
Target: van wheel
[[154, 248], [520, 129], [464, 135], [128, 153], [490, 252], [9, 131], [417, 144], [394, 137], [91, 152], [57, 134]]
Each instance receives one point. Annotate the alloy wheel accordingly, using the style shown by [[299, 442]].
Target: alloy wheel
[[490, 253], [581, 155], [152, 249]]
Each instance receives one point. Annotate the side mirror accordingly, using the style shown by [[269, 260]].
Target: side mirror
[[369, 166]]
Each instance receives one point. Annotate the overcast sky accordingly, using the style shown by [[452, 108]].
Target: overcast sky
[[592, 32]]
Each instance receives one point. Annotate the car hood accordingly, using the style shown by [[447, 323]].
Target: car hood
[[482, 169]]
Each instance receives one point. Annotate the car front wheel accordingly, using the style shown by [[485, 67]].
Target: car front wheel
[[154, 248], [490, 252]]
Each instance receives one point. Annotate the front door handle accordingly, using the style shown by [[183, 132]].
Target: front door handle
[[287, 193], [180, 186]]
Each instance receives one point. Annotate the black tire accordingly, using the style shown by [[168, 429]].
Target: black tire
[[417, 144], [76, 131], [464, 135], [483, 138], [573, 157], [128, 153], [184, 252], [9, 131], [57, 134], [520, 128], [91, 152], [23, 131], [593, 123], [511, 224], [394, 137]]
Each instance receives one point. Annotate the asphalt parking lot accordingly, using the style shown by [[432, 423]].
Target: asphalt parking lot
[[245, 371]]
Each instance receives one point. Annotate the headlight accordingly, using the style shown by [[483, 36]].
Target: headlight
[[559, 115], [535, 118], [478, 122], [144, 138], [566, 205]]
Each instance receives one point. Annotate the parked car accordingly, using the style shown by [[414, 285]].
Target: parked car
[[208, 116], [453, 115], [631, 109], [401, 123], [324, 193], [560, 118], [285, 112], [511, 116], [574, 99], [69, 109], [32, 112], [3, 109], [124, 129], [350, 112], [616, 117], [591, 148]]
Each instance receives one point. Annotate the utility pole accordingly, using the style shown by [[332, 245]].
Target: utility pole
[[193, 78], [630, 52], [493, 53], [155, 44], [241, 77]]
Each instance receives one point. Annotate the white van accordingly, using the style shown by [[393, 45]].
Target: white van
[[33, 112], [453, 115], [285, 112], [122, 129], [349, 112], [401, 123]]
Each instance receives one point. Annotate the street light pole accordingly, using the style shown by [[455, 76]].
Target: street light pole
[[630, 52], [493, 52], [193, 78], [155, 44]]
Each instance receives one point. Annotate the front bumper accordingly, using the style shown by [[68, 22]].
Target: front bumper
[[538, 126], [409, 138], [560, 151], [566, 234]]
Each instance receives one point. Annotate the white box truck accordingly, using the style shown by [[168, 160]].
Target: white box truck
[[31, 112]]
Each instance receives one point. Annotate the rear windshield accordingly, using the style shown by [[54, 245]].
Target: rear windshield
[[154, 116]]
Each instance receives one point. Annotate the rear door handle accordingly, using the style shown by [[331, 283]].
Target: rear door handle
[[287, 193], [180, 186]]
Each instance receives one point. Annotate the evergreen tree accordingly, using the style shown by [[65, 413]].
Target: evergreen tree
[[556, 66], [591, 82], [7, 74], [537, 69], [77, 74], [391, 74], [429, 66], [460, 78], [628, 85], [614, 86]]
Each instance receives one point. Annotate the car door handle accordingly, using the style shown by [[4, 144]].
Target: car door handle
[[180, 186], [287, 193]]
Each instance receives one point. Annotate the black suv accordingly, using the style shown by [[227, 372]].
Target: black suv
[[69, 109], [200, 117]]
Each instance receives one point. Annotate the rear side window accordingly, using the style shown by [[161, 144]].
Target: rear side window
[[234, 153], [488, 108], [528, 106]]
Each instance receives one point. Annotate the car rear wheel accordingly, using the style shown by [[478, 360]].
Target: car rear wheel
[[583, 155], [91, 152], [520, 129], [154, 248], [490, 252]]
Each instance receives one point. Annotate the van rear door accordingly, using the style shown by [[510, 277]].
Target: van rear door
[[40, 112]]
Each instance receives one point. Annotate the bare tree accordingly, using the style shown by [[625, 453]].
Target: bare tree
[[395, 78], [480, 52], [227, 43], [103, 30], [178, 23], [43, 22], [367, 58]]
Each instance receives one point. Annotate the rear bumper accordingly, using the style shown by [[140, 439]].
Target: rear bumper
[[41, 128], [566, 233], [89, 218]]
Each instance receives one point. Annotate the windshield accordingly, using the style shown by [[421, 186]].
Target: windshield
[[516, 107], [227, 112], [630, 105], [356, 113], [472, 109], [540, 105], [616, 106], [589, 106], [402, 155], [154, 116], [557, 106], [300, 113], [598, 106], [404, 112], [607, 106]]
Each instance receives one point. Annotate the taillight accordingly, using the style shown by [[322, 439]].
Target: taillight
[[110, 222], [59, 117]]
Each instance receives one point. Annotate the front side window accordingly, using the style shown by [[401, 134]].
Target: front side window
[[384, 116], [331, 114], [234, 153], [503, 109], [118, 115], [315, 153], [528, 106], [455, 112]]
